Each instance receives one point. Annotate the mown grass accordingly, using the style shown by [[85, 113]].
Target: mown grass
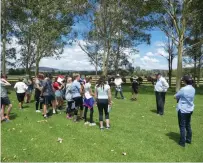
[[135, 129]]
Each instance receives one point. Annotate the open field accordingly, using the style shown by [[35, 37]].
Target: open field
[[135, 129]]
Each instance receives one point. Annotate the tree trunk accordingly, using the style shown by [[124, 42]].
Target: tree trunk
[[4, 37], [37, 59], [199, 73], [179, 64], [195, 69], [169, 71]]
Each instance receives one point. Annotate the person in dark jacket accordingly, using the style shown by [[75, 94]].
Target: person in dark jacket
[[135, 85]]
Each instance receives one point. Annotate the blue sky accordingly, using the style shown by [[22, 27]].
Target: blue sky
[[148, 57]]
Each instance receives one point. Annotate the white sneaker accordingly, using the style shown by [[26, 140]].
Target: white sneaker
[[86, 123], [38, 111], [54, 111], [92, 124]]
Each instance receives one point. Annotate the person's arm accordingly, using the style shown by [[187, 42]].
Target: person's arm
[[179, 94], [109, 96], [164, 83], [25, 87], [5, 82], [95, 93]]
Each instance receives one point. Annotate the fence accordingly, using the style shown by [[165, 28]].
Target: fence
[[13, 79]]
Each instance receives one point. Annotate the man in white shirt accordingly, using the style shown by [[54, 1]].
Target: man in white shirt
[[118, 81], [20, 88], [160, 88]]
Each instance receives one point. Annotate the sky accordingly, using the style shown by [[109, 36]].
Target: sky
[[73, 58], [148, 57]]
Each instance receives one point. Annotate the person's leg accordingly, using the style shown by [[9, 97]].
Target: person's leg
[[77, 107], [100, 108], [161, 103], [121, 93], [37, 102], [188, 128], [181, 120], [68, 111], [116, 93], [46, 103], [53, 103], [163, 95], [81, 108], [106, 115], [91, 115], [85, 113], [157, 101]]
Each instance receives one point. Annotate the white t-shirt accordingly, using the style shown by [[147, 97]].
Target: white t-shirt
[[21, 87], [87, 87], [102, 92], [118, 81]]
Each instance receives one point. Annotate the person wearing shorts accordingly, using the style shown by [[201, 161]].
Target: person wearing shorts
[[76, 90], [58, 93], [29, 84], [20, 88], [5, 101], [48, 95]]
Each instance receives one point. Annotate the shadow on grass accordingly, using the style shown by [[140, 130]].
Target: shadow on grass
[[13, 116], [154, 111], [173, 136]]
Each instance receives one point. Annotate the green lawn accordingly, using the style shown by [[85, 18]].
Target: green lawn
[[135, 129]]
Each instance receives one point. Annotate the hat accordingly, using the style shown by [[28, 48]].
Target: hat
[[186, 78], [135, 78], [117, 75]]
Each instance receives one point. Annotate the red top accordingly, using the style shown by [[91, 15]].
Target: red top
[[56, 85]]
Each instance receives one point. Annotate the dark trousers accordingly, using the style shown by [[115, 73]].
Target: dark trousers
[[37, 101], [121, 93], [184, 120], [69, 107], [103, 106], [160, 101], [91, 114]]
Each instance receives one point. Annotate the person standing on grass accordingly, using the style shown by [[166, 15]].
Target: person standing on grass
[[58, 86], [69, 99], [160, 92], [134, 88], [28, 81], [76, 90], [38, 89], [48, 95], [185, 97], [21, 89], [88, 102], [103, 99], [5, 101], [118, 84]]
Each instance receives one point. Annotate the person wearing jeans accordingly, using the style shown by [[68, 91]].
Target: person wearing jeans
[[160, 92], [103, 98], [185, 97], [118, 81]]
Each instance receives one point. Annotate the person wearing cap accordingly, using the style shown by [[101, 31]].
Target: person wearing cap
[[185, 97], [160, 88], [135, 85], [118, 81]]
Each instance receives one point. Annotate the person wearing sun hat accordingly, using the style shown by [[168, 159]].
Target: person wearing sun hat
[[118, 84], [185, 97], [160, 88]]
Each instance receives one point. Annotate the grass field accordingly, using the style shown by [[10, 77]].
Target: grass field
[[135, 129]]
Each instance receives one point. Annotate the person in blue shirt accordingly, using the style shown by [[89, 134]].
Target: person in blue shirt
[[185, 98]]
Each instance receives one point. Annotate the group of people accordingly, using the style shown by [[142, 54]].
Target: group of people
[[77, 93], [80, 98]]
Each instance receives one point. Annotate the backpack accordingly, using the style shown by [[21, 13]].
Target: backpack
[[68, 93]]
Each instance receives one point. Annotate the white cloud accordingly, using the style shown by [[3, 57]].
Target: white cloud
[[147, 59], [73, 58], [150, 54], [161, 52], [159, 44]]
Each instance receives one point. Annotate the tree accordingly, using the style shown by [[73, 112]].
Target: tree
[[169, 47], [182, 14]]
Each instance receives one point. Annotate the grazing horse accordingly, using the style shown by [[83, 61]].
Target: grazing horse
[[151, 79]]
